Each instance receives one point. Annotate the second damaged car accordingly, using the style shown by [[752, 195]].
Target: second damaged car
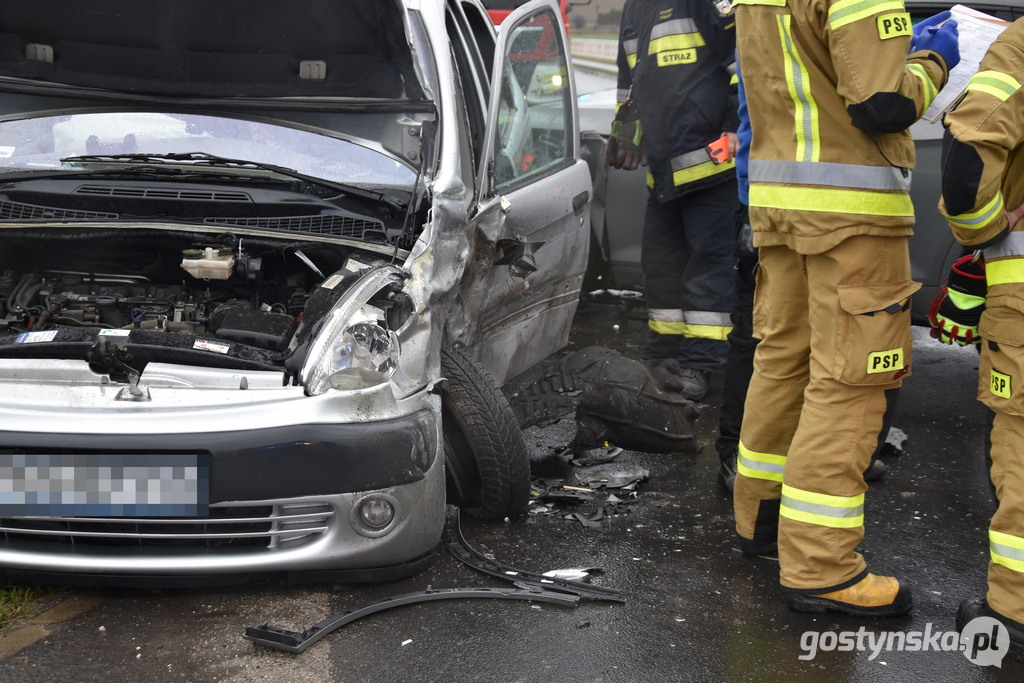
[[262, 267]]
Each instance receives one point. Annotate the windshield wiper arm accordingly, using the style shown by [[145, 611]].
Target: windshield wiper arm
[[204, 160]]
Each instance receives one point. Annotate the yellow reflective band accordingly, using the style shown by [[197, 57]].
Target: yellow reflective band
[[772, 3], [678, 41], [848, 11], [894, 25], [926, 84], [858, 202], [631, 60], [666, 327], [798, 80], [885, 361], [996, 84], [1006, 550], [650, 180], [1000, 385], [760, 465], [838, 512], [981, 217], [708, 168], [706, 331], [1004, 271], [734, 79]]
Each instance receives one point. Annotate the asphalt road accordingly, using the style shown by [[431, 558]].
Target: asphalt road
[[696, 609]]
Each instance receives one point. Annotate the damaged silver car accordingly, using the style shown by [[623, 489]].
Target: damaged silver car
[[263, 265]]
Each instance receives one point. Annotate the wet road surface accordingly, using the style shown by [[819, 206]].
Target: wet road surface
[[696, 609]]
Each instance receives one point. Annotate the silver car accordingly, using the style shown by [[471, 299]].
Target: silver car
[[262, 267]]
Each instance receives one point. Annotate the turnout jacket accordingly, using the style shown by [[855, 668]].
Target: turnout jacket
[[983, 166], [678, 58], [831, 91]]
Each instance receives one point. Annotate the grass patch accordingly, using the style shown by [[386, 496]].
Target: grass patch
[[16, 601]]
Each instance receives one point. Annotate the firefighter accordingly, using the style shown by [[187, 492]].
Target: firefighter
[[982, 175], [677, 96], [831, 90]]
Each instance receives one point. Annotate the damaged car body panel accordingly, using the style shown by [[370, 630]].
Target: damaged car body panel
[[247, 247]]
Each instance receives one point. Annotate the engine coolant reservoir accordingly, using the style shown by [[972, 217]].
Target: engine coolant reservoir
[[209, 263]]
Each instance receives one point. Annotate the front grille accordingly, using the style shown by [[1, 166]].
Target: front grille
[[335, 226], [265, 526], [13, 211], [163, 193]]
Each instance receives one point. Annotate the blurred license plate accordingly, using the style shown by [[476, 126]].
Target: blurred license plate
[[97, 485]]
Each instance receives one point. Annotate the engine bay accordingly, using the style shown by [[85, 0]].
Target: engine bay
[[216, 300]]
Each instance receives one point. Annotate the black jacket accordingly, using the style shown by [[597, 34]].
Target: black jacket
[[679, 58]]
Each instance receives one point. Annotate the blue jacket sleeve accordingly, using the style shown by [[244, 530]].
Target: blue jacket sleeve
[[744, 134]]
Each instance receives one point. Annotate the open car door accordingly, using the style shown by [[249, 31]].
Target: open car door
[[534, 200]]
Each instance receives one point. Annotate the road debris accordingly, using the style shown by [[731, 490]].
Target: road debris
[[528, 586]]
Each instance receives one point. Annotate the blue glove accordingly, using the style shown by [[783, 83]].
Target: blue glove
[[925, 23], [945, 40]]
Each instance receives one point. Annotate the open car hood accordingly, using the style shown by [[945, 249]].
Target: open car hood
[[218, 49]]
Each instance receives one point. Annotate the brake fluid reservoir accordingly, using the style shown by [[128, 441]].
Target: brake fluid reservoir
[[209, 263]]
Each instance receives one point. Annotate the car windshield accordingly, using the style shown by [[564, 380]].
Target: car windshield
[[40, 143]]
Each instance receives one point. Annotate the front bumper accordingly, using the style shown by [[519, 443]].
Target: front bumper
[[282, 499]]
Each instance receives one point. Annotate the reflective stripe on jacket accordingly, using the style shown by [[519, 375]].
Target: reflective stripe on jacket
[[678, 58], [983, 168], [831, 92]]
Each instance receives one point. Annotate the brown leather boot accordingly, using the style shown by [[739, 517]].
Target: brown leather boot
[[872, 596]]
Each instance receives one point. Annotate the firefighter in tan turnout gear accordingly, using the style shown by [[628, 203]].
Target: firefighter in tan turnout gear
[[831, 90], [982, 176]]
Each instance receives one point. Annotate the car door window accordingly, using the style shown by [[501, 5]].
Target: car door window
[[533, 135]]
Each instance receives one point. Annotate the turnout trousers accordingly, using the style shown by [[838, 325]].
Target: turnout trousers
[[689, 276], [835, 339], [1001, 387]]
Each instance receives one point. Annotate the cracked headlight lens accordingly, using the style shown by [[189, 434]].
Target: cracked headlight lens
[[354, 349]]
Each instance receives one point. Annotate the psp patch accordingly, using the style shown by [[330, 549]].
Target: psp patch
[[894, 25], [885, 361], [723, 7], [1000, 384]]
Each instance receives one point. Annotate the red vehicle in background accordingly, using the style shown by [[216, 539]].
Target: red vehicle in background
[[499, 9]]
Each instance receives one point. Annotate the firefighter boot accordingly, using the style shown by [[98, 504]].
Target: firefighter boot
[[972, 608], [872, 596], [695, 383]]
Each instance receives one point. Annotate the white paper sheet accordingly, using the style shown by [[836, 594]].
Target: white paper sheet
[[977, 32]]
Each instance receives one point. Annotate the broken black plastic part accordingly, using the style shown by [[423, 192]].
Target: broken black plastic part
[[458, 547], [296, 641]]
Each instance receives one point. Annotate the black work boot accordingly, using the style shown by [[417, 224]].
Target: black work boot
[[972, 608], [727, 472], [695, 383]]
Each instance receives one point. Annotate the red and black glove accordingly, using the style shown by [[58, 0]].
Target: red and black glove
[[626, 148], [957, 307]]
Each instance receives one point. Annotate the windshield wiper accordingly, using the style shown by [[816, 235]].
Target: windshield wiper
[[201, 160]]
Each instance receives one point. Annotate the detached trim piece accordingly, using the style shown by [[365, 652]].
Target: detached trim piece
[[457, 546], [296, 642]]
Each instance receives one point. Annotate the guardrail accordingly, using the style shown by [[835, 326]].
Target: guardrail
[[597, 49]]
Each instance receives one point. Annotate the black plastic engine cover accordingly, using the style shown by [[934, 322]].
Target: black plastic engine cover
[[256, 328]]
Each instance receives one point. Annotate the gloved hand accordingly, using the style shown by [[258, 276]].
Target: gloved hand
[[744, 233], [626, 144], [957, 307], [933, 20], [945, 40]]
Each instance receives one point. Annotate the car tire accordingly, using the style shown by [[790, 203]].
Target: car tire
[[487, 468]]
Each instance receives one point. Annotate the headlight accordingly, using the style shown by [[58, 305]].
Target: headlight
[[354, 349]]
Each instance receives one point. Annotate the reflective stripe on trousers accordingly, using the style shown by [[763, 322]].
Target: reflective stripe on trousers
[[839, 512], [1006, 550], [760, 465], [694, 324]]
